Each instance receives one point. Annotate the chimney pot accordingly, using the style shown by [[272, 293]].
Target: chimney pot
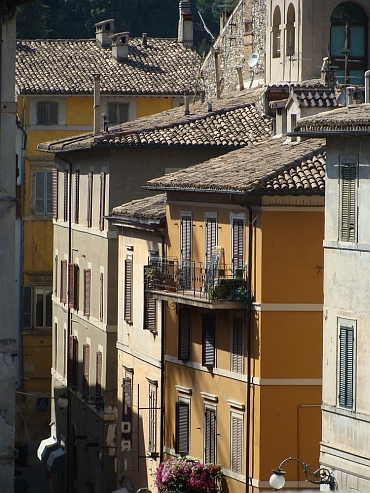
[[144, 40], [103, 31], [120, 45]]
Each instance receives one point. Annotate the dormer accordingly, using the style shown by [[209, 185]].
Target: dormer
[[120, 45], [103, 31]]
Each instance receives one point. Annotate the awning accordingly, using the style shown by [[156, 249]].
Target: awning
[[56, 461], [45, 448]]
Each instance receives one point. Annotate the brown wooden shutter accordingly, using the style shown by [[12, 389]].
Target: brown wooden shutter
[[185, 251], [128, 290], [63, 281], [77, 197], [236, 443], [65, 201], [72, 361], [89, 199], [210, 437], [184, 334], [238, 242], [211, 238], [99, 362], [55, 275], [102, 201], [182, 428], [86, 368], [87, 291], [72, 280], [209, 336], [237, 346], [55, 193]]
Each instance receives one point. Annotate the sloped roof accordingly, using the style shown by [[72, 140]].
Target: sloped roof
[[58, 66], [147, 210], [270, 167], [315, 98], [233, 122]]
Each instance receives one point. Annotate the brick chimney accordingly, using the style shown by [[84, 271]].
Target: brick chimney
[[103, 31], [185, 31], [120, 45]]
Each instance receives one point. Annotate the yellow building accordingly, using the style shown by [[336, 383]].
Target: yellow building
[[55, 82], [241, 284]]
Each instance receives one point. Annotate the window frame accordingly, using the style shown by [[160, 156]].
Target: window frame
[[119, 105], [153, 397], [44, 291], [47, 192], [182, 442]]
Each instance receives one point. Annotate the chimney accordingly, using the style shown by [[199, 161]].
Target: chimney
[[144, 40], [120, 45], [96, 104], [103, 31], [185, 31]]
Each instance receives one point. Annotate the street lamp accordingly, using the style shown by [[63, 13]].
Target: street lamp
[[322, 475]]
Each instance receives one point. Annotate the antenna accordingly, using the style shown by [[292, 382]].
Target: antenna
[[253, 60]]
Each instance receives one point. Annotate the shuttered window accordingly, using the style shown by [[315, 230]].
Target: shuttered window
[[182, 427], [101, 297], [86, 368], [72, 284], [72, 361], [42, 308], [47, 113], [237, 346], [237, 242], [43, 192], [128, 289], [65, 352], [210, 436], [99, 363], [27, 307], [236, 443], [76, 214], [346, 366], [348, 203], [55, 279], [89, 199], [117, 113], [184, 334], [150, 313], [55, 193], [152, 417], [211, 238], [209, 336], [87, 291], [63, 281], [65, 196], [102, 201], [185, 251]]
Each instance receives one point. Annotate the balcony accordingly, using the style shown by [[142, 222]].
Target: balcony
[[193, 283]]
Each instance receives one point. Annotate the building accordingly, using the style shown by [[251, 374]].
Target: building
[[346, 407], [93, 174], [55, 83], [242, 331]]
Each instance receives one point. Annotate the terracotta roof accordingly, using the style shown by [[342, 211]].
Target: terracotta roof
[[234, 122], [319, 98], [147, 210], [353, 119], [270, 167], [68, 67]]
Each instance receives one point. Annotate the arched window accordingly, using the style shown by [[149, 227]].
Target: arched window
[[276, 33], [348, 43], [290, 31]]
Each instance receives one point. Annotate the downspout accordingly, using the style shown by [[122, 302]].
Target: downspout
[[367, 86], [163, 329]]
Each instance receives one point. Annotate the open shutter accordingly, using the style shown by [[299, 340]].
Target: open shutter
[[211, 238], [65, 192], [77, 197], [89, 199], [63, 281], [102, 201], [72, 269], [27, 307], [236, 443], [99, 362], [128, 290], [182, 428], [210, 437], [346, 365], [209, 332], [238, 242], [55, 193], [86, 368], [184, 334], [87, 291], [348, 205], [150, 313], [237, 346], [185, 251]]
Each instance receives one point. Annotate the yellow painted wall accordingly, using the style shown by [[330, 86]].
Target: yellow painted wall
[[150, 106], [79, 110], [37, 256]]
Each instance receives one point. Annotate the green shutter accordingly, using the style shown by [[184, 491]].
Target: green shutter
[[348, 204], [184, 334], [182, 428], [346, 366]]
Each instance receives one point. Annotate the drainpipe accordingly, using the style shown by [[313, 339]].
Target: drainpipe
[[96, 104], [163, 329], [367, 86]]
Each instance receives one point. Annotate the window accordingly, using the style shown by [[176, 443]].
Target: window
[[77, 197], [72, 286], [210, 436], [85, 368], [236, 356], [152, 416], [276, 33], [55, 193], [87, 291], [182, 427], [237, 242], [117, 112], [72, 361], [47, 113], [102, 201], [65, 196], [346, 363], [209, 332], [236, 442], [89, 199], [290, 31], [99, 363], [184, 334], [43, 307], [185, 251], [43, 193], [128, 289], [63, 281], [348, 201]]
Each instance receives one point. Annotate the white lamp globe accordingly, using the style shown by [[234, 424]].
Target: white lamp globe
[[277, 480], [62, 402]]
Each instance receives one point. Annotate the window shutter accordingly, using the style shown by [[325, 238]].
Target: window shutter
[[238, 243], [236, 443], [152, 417], [150, 313], [40, 192], [208, 326], [101, 297], [86, 368], [65, 352], [72, 269], [128, 290], [87, 291], [210, 437], [184, 334], [237, 346], [99, 362], [53, 112], [89, 199], [55, 275], [49, 193], [72, 361], [27, 307], [102, 201], [346, 365], [65, 195], [63, 281], [182, 428], [55, 193], [348, 206], [211, 238], [112, 113], [41, 113], [185, 251], [77, 196]]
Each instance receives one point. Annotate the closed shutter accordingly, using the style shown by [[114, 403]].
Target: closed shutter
[[55, 193], [102, 201], [86, 368], [128, 290], [211, 238], [65, 192], [346, 366], [210, 437], [236, 443], [184, 334], [348, 206], [87, 291], [99, 362], [53, 112], [237, 346], [89, 199], [150, 313], [77, 197], [182, 428], [40, 190], [185, 251], [27, 307], [42, 113], [238, 242], [63, 281], [209, 333], [55, 275], [101, 297], [72, 280], [72, 361]]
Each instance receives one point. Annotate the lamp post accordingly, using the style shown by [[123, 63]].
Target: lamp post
[[322, 475]]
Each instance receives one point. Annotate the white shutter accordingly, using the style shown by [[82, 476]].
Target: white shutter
[[236, 443]]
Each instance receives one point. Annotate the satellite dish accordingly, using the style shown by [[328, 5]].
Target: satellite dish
[[253, 60]]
